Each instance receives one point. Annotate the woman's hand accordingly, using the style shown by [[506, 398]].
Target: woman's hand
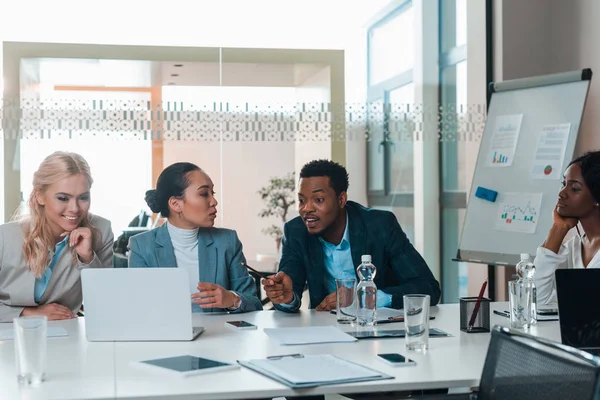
[[558, 231], [211, 295], [52, 311], [566, 223], [81, 240]]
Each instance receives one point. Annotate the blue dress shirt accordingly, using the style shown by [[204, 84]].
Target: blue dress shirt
[[42, 283], [339, 265]]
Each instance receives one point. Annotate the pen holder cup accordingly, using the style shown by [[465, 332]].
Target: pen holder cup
[[481, 322]]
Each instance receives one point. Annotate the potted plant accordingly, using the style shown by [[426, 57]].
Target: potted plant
[[278, 196]]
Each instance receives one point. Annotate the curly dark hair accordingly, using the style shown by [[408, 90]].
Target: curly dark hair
[[337, 174], [590, 170]]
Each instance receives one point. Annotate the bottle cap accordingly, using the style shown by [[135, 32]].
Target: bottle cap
[[524, 256], [365, 258]]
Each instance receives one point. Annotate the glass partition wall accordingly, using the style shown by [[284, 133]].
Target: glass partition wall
[[247, 121]]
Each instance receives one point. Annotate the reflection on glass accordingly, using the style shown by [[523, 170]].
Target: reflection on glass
[[406, 219], [242, 137], [455, 277], [453, 24], [375, 146], [454, 135], [461, 22], [121, 181], [401, 128], [392, 46]]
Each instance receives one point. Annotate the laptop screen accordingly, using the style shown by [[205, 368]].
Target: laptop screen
[[579, 307]]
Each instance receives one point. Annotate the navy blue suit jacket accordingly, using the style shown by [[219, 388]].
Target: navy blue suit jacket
[[400, 268]]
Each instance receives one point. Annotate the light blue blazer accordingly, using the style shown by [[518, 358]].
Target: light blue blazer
[[220, 257]]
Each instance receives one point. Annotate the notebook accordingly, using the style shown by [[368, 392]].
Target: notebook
[[298, 371]]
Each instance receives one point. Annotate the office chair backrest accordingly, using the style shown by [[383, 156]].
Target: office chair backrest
[[520, 366]]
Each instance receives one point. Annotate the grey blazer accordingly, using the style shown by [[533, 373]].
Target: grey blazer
[[17, 281], [220, 258]]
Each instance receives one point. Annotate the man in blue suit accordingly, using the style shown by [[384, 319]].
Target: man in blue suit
[[327, 239]]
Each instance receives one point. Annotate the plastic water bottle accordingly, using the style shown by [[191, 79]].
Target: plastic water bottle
[[526, 271], [366, 292]]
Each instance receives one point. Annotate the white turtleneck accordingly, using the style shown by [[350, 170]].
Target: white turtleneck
[[185, 244]]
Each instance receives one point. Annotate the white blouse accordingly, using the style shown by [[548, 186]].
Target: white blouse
[[546, 262]]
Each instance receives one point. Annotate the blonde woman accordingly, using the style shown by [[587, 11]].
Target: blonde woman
[[41, 255]]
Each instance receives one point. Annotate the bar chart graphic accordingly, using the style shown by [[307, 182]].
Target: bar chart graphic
[[518, 212], [499, 158]]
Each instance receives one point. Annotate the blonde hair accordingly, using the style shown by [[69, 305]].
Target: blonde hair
[[39, 239]]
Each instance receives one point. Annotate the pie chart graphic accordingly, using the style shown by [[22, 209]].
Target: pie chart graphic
[[548, 170]]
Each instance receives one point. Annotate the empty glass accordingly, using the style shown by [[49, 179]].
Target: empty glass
[[520, 299], [30, 349], [416, 321], [344, 301]]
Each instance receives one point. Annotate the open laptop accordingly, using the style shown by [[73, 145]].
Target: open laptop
[[579, 308], [137, 304]]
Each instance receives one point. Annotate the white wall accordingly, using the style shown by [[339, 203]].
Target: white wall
[[526, 44], [548, 36], [574, 38]]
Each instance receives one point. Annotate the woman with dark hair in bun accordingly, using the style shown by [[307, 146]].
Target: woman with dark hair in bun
[[578, 203], [212, 256]]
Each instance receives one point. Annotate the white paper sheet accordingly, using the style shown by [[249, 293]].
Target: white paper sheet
[[308, 335], [518, 212], [53, 331], [550, 152], [504, 141], [314, 368]]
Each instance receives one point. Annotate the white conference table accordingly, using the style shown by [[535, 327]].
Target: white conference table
[[78, 369]]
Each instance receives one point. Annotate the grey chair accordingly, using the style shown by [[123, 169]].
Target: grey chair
[[523, 367]]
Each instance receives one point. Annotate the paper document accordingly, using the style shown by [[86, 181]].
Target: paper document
[[504, 140], [518, 212], [550, 152], [312, 370], [308, 335], [53, 331]]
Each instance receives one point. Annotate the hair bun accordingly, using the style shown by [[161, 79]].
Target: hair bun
[[153, 201]]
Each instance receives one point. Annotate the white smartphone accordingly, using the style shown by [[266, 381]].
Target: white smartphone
[[396, 360], [240, 325]]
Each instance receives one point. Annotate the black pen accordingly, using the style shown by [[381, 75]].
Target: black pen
[[391, 320], [502, 313], [264, 275]]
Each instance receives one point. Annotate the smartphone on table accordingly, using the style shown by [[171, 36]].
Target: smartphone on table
[[240, 325], [547, 311], [396, 360]]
